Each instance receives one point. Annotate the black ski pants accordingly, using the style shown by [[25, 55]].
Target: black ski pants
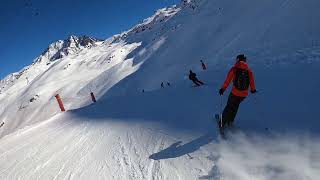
[[231, 109], [197, 82]]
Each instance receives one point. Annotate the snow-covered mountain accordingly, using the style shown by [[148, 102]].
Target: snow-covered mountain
[[55, 51], [138, 130], [67, 47]]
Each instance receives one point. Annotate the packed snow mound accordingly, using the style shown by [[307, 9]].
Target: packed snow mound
[[138, 130]]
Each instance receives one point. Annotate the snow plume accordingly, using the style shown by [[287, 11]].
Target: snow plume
[[264, 158]]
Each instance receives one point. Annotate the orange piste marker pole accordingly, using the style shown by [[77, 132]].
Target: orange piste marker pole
[[60, 103]]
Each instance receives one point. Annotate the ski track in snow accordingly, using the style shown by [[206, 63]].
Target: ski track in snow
[[73, 150], [69, 150], [153, 169]]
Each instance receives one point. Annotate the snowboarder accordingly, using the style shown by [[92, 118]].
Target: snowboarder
[[204, 67], [194, 79], [242, 77]]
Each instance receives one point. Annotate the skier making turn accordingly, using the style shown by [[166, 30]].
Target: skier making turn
[[242, 77], [194, 79]]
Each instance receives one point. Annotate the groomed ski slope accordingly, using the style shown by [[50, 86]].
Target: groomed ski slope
[[170, 133], [162, 135]]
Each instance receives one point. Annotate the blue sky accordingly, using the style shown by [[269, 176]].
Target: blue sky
[[27, 27]]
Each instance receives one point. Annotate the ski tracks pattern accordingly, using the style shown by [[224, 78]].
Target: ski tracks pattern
[[83, 150], [154, 166]]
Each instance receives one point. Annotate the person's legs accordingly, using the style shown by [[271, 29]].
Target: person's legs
[[195, 82], [231, 109], [200, 82], [226, 115], [235, 106]]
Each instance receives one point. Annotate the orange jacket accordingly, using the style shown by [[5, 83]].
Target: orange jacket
[[231, 75]]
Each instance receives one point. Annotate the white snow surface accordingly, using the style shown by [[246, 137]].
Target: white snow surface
[[169, 133]]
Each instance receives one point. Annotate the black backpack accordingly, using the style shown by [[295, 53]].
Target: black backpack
[[241, 80]]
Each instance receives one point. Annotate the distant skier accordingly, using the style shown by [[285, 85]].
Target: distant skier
[[194, 79], [27, 80], [242, 77], [204, 67], [168, 84], [162, 85]]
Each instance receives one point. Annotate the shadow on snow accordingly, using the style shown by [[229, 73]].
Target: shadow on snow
[[177, 150]]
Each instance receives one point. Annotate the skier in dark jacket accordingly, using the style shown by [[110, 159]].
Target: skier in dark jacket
[[242, 77], [204, 67], [194, 79], [162, 85]]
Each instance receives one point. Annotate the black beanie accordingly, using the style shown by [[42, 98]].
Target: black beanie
[[241, 57]]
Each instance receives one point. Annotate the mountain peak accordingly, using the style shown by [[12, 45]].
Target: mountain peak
[[62, 48]]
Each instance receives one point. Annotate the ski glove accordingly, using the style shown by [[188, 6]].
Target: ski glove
[[253, 91], [221, 91]]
